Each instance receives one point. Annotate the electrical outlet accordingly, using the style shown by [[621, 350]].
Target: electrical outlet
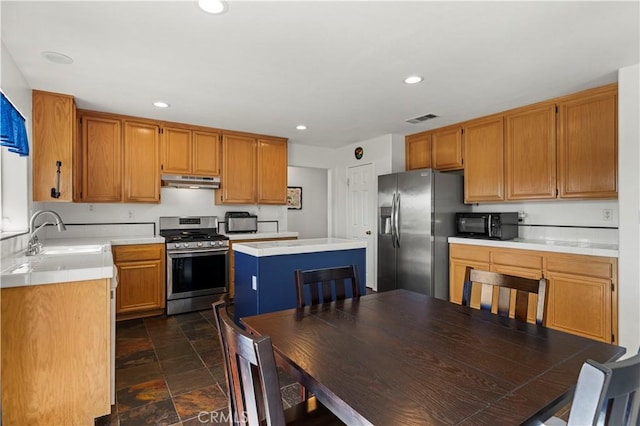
[[90, 207], [607, 215], [131, 214]]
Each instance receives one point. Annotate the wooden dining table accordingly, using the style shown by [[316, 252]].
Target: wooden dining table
[[399, 357]]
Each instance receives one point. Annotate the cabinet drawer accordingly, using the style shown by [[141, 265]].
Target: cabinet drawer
[[519, 258], [591, 266], [132, 253], [462, 251]]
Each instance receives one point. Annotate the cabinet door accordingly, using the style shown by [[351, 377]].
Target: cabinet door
[[101, 149], [206, 153], [418, 151], [176, 150], [53, 140], [272, 171], [484, 165], [588, 146], [141, 283], [239, 160], [141, 160], [457, 269], [138, 286], [531, 154], [446, 148], [580, 305]]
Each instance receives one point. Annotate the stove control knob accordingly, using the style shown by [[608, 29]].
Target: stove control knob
[[177, 245], [199, 244], [213, 243], [185, 245]]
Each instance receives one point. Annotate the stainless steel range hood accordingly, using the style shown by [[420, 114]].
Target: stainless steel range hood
[[183, 181]]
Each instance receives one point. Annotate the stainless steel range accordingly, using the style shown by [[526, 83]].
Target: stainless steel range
[[197, 262]]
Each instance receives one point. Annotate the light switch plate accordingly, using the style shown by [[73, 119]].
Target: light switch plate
[[254, 282]]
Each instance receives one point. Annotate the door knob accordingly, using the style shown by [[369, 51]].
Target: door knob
[[368, 232]]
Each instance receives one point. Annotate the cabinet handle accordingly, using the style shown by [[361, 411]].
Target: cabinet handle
[[55, 192]]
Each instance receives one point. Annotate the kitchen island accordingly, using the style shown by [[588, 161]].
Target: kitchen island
[[264, 279]]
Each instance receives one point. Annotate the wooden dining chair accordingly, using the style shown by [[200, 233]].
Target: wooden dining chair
[[505, 283], [606, 394], [326, 285], [252, 380]]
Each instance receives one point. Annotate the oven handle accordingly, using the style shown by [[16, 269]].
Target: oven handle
[[195, 253]]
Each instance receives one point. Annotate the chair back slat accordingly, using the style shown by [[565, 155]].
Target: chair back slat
[[522, 305], [504, 300], [607, 394], [326, 285], [486, 297], [506, 284], [251, 373]]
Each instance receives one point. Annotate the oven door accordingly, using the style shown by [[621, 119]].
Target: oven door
[[196, 273]]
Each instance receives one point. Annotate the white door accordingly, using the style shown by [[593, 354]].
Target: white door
[[361, 212]]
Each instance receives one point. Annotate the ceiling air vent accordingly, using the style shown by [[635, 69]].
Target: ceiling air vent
[[421, 118]]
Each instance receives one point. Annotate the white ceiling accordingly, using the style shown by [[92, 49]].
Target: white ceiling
[[337, 67]]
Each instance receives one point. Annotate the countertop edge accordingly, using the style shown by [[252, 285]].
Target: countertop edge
[[299, 248], [585, 249]]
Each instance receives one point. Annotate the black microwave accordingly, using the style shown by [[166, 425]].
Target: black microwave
[[495, 226]]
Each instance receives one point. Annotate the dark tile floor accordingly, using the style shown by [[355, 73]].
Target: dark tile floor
[[169, 371]]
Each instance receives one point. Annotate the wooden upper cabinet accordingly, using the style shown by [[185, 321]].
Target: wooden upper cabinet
[[101, 159], [176, 150], [588, 144], [141, 160], [484, 165], [206, 153], [190, 152], [239, 161], [446, 148], [418, 151], [54, 127], [272, 171], [531, 153]]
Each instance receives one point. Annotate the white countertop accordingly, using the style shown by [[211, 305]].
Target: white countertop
[[570, 247], [313, 245], [261, 235], [67, 259]]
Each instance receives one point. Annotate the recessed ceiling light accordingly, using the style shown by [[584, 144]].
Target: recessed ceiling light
[[301, 127], [213, 6], [57, 58], [161, 104], [413, 79]]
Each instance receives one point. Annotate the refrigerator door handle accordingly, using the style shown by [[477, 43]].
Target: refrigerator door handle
[[397, 220], [393, 210]]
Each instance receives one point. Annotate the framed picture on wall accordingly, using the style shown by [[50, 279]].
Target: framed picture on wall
[[294, 198]]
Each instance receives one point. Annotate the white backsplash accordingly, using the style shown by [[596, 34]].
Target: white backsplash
[[10, 246], [581, 221], [174, 202], [100, 230]]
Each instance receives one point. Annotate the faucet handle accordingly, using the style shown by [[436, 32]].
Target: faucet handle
[[33, 246]]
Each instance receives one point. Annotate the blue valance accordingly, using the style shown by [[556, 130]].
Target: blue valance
[[13, 133]]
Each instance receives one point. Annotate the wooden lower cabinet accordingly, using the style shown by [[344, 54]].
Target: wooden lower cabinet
[[232, 270], [56, 353], [141, 280], [582, 296], [456, 276]]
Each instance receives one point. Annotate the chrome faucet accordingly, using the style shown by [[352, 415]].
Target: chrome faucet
[[33, 246]]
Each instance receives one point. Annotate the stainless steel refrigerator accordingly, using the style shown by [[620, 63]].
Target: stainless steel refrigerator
[[416, 215]]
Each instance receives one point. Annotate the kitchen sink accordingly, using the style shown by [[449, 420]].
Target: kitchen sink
[[71, 249]]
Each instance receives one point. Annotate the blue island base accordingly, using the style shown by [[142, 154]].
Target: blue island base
[[267, 284]]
